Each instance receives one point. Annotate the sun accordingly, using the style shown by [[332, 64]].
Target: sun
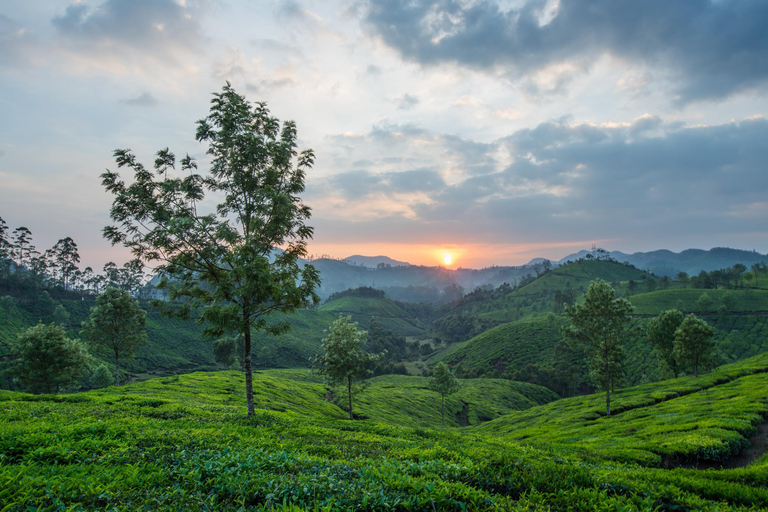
[[447, 258]]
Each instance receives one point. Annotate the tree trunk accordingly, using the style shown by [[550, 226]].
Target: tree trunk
[[607, 388], [442, 409], [117, 369], [248, 368], [349, 395]]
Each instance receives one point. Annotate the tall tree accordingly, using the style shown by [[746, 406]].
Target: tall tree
[[116, 326], [661, 334], [46, 360], [22, 246], [442, 381], [694, 343], [66, 258], [238, 264], [343, 360], [599, 325], [5, 243], [755, 268]]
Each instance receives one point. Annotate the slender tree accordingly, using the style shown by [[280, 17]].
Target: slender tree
[[694, 343], [443, 381], [661, 334], [22, 246], [343, 361], [599, 325], [238, 264], [116, 326]]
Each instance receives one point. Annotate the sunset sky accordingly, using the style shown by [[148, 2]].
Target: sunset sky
[[492, 131]]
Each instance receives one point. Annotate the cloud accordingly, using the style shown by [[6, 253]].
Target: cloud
[[164, 30], [709, 49], [145, 99], [565, 181], [405, 101], [17, 44]]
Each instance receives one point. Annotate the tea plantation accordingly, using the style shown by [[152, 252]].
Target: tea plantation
[[185, 443]]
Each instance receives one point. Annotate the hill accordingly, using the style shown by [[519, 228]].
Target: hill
[[183, 443], [704, 419], [530, 349], [692, 261]]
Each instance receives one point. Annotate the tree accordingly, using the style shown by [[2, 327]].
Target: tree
[[704, 302], [343, 360], [755, 268], [661, 334], [238, 264], [46, 360], [65, 259], [22, 246], [442, 381], [599, 325], [683, 278], [694, 344], [116, 326], [229, 351]]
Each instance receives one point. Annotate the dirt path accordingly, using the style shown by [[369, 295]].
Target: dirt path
[[758, 446]]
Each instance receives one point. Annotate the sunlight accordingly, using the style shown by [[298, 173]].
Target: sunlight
[[447, 258]]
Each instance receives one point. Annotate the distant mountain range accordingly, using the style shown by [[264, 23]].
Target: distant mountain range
[[374, 261], [692, 261]]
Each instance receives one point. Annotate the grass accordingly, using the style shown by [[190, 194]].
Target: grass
[[659, 301], [184, 443]]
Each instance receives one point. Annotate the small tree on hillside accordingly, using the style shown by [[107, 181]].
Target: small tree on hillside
[[116, 326], [343, 360], [599, 325], [661, 334], [694, 343], [443, 381], [46, 360]]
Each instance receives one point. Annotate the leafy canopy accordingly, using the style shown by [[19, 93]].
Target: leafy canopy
[[236, 264], [661, 334], [46, 360], [694, 343], [116, 326], [343, 360], [598, 325]]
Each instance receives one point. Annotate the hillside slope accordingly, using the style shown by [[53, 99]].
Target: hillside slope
[[184, 443]]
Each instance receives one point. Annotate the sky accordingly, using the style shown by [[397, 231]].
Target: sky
[[495, 131]]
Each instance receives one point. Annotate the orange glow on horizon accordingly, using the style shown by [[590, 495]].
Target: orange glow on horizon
[[470, 255]]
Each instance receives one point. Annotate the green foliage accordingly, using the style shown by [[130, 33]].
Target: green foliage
[[46, 360], [116, 326], [229, 350], [443, 382], [224, 265], [100, 378], [181, 444], [661, 334], [694, 345], [343, 360], [599, 325], [683, 420]]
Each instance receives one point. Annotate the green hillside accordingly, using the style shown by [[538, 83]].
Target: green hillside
[[184, 443], [388, 313], [708, 418], [537, 297], [508, 349], [406, 401], [742, 301]]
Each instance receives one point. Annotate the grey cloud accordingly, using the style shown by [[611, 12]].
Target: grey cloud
[[158, 28], [405, 101], [644, 124], [373, 70], [418, 180], [712, 49], [143, 100]]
